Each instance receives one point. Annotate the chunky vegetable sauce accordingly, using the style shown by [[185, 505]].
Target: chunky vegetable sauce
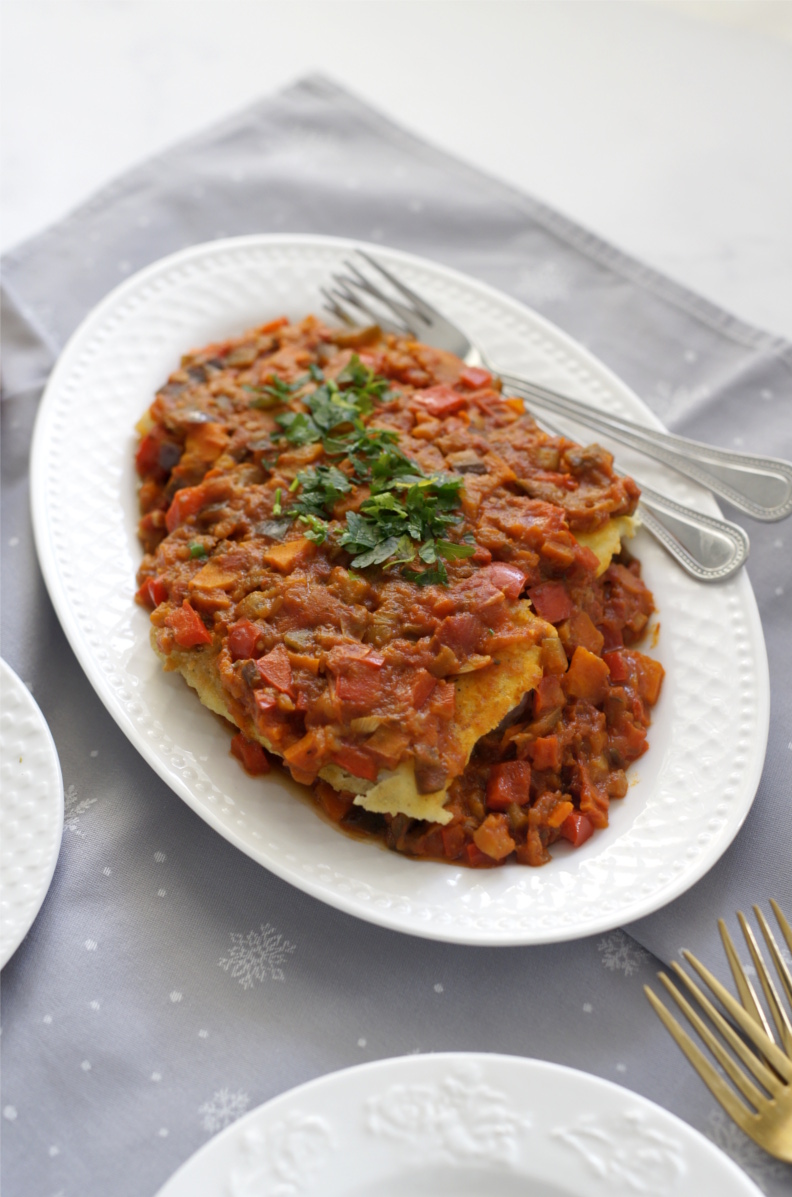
[[353, 545]]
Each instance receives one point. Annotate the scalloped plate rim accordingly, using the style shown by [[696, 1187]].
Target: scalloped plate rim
[[581, 1091]]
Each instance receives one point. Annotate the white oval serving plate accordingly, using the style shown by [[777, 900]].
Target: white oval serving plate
[[459, 1125], [690, 792]]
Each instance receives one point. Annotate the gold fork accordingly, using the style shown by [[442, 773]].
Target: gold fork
[[767, 1116]]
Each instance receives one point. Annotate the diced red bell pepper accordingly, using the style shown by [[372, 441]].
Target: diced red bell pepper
[[453, 840], [188, 627], [509, 782], [475, 378], [251, 754], [356, 761], [421, 684], [275, 668], [440, 401], [617, 665], [152, 593], [545, 753], [508, 578], [186, 502], [548, 695], [358, 682], [242, 639], [551, 601], [461, 633], [577, 828]]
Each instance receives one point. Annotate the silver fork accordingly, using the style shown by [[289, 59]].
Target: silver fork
[[709, 549], [759, 486]]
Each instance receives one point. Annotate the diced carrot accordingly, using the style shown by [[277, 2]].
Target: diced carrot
[[551, 601], [587, 676], [214, 576], [207, 441], [475, 377], [584, 632], [273, 325], [251, 754], [188, 627], [545, 752], [309, 753], [356, 761], [284, 557], [186, 502], [509, 782], [554, 552], [275, 668], [242, 638], [650, 678], [577, 828], [560, 814], [440, 401], [481, 556], [493, 838]]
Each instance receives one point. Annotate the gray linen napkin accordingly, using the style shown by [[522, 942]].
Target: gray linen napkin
[[170, 983]]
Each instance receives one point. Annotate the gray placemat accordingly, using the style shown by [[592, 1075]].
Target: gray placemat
[[169, 983]]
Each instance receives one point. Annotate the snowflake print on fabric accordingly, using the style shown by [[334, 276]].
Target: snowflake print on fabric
[[223, 1109], [621, 953], [73, 807], [257, 956], [761, 1167]]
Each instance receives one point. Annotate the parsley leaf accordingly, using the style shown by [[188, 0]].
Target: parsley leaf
[[320, 489]]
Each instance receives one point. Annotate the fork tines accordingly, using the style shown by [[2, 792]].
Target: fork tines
[[754, 1051]]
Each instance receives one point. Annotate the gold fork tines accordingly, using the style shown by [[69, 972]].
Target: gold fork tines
[[754, 1052]]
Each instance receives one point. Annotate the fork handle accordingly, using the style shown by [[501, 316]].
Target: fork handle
[[709, 549], [759, 486]]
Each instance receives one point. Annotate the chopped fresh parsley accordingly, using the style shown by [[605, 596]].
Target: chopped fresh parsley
[[320, 488], [277, 508], [408, 515], [334, 404]]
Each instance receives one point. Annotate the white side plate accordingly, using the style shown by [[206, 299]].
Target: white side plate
[[31, 811], [459, 1125], [689, 793]]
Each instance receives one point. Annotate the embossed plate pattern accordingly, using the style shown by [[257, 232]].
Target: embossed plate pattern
[[31, 810], [464, 1124], [690, 792]]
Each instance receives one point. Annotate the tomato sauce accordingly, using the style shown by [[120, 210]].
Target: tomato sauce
[[344, 523]]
